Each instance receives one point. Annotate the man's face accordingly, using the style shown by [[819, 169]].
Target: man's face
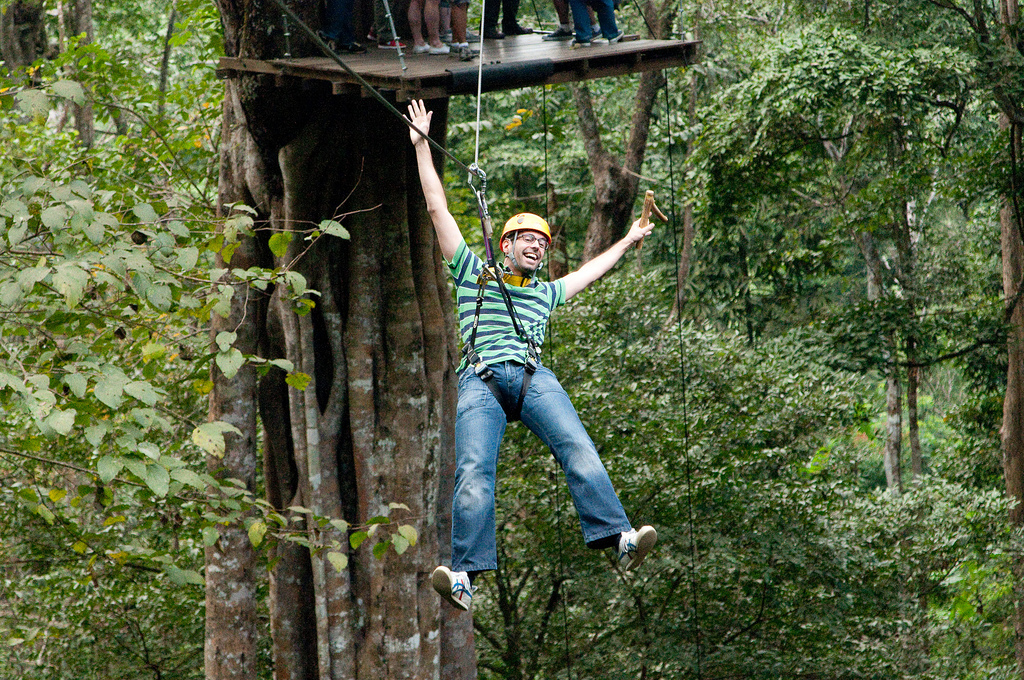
[[528, 249]]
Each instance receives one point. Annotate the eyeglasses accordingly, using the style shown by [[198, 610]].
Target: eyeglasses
[[530, 239]]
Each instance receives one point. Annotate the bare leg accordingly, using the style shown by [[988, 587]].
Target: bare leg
[[432, 17], [415, 16], [562, 10], [459, 19]]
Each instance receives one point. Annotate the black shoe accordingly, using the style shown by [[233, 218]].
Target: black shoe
[[351, 48], [493, 34], [517, 30], [559, 34]]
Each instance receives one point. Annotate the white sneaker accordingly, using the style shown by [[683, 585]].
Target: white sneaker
[[443, 49], [420, 49], [453, 587], [634, 546]]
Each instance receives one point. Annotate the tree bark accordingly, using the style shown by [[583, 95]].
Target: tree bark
[[375, 423], [231, 586], [616, 182], [22, 34], [84, 119], [1012, 228]]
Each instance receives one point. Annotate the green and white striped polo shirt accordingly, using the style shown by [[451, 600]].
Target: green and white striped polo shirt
[[496, 339]]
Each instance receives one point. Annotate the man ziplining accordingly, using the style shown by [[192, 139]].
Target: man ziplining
[[501, 380]]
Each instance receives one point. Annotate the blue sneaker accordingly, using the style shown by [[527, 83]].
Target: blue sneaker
[[634, 546], [453, 587]]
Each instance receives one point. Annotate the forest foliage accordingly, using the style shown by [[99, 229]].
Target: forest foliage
[[748, 428]]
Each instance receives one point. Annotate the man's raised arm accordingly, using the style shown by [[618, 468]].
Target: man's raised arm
[[448, 234], [596, 268]]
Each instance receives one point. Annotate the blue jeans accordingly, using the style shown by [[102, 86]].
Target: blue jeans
[[605, 11], [479, 427], [338, 22]]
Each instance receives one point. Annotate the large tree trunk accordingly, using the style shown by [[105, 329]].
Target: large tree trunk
[[22, 34], [231, 605], [82, 26], [375, 423], [1012, 233]]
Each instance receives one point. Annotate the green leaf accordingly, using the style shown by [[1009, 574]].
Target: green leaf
[[153, 350], [334, 229], [400, 543], [80, 547], [143, 391], [69, 89], [108, 467], [188, 257], [398, 506], [257, 530], [57, 495], [210, 536], [409, 533], [54, 217], [189, 478], [279, 243], [229, 362], [356, 539], [94, 433], [210, 437], [110, 387], [298, 380], [157, 479], [77, 383], [62, 421], [70, 281], [339, 524], [380, 549], [183, 576], [338, 560], [160, 297], [225, 339], [33, 102], [145, 212]]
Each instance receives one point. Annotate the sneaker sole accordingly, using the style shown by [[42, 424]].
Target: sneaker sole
[[442, 582], [645, 539]]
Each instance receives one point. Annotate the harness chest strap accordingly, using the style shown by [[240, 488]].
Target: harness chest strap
[[483, 371]]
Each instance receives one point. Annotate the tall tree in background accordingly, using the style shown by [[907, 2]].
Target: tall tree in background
[[374, 423], [616, 181]]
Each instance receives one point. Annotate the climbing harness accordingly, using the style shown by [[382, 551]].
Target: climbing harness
[[492, 271]]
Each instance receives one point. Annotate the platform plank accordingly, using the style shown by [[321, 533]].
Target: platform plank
[[519, 61]]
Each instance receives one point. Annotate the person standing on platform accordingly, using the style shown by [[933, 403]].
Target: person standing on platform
[[605, 10], [502, 379], [509, 10], [337, 28], [564, 30], [426, 12]]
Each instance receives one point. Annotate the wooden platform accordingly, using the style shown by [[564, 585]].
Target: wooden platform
[[514, 62]]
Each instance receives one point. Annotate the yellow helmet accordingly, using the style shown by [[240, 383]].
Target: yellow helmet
[[526, 221]]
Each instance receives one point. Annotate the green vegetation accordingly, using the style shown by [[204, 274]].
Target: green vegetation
[[846, 166]]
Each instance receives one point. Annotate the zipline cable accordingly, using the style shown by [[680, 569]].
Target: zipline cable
[[698, 646], [558, 487], [369, 88]]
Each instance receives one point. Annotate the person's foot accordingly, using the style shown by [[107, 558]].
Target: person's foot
[[446, 37], [617, 38], [517, 30], [634, 546], [391, 45], [441, 49], [420, 49], [493, 34], [472, 37], [577, 43], [453, 587], [559, 34], [351, 48]]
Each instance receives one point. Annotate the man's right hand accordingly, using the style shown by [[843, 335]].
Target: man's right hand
[[420, 118]]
